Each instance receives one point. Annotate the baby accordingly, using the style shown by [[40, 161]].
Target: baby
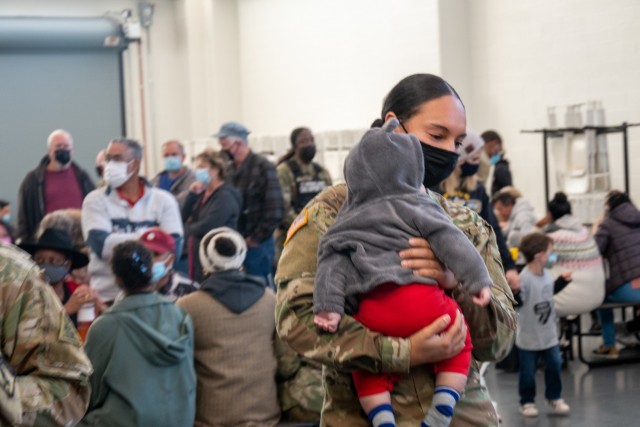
[[359, 265]]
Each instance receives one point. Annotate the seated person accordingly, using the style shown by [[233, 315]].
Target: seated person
[[169, 282], [234, 330], [55, 254], [142, 352]]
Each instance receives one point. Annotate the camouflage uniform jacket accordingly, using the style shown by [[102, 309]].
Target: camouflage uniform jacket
[[289, 187], [45, 380], [354, 347]]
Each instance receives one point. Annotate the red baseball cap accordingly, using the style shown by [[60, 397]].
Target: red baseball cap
[[158, 241]]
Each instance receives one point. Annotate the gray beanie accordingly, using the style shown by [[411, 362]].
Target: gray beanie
[[222, 249]]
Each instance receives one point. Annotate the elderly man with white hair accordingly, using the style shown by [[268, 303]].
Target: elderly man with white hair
[[56, 183]]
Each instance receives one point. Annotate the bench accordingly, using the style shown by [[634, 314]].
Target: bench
[[574, 328]]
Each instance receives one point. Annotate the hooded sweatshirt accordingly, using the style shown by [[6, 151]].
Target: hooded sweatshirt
[[385, 207], [618, 239], [142, 355], [522, 221]]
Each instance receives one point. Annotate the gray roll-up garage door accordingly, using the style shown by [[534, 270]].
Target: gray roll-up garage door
[[57, 73]]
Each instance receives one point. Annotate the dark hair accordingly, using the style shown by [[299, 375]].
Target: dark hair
[[131, 262], [295, 133], [505, 198], [3, 204], [615, 198], [533, 244], [491, 135], [215, 162], [559, 206], [225, 247], [410, 93]]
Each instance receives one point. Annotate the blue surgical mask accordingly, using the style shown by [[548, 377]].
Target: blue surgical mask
[[495, 158], [6, 218], [172, 163], [54, 273], [553, 258], [202, 175], [158, 271]]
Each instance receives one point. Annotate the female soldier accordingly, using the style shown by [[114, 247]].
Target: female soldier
[[429, 108]]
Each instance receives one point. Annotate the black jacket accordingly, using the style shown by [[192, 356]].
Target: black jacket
[[618, 239], [31, 208], [501, 176]]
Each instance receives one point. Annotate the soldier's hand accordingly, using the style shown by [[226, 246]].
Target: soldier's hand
[[421, 259], [431, 345]]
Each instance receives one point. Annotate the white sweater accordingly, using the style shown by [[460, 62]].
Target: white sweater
[[108, 220]]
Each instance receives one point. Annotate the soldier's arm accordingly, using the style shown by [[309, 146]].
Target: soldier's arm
[[287, 185], [492, 327], [42, 346]]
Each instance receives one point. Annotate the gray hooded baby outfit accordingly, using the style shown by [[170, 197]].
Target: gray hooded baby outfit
[[386, 206]]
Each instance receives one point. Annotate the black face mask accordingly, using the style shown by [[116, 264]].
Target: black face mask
[[307, 153], [438, 164], [99, 171], [63, 156], [469, 170]]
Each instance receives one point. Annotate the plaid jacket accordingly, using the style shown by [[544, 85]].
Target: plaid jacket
[[262, 203]]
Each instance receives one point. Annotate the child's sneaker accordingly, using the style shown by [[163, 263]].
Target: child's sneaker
[[608, 352], [529, 410], [558, 407]]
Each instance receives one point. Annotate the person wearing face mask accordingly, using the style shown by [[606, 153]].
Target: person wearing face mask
[[56, 183], [463, 187], [429, 108], [494, 170], [176, 176], [6, 231], [300, 179], [55, 254], [211, 203], [122, 210], [262, 204], [169, 282]]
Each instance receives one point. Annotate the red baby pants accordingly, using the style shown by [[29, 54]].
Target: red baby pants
[[399, 311]]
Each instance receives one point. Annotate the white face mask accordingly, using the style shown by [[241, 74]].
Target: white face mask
[[115, 173]]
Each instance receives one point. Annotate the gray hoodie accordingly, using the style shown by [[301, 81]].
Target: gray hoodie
[[385, 207], [522, 221]]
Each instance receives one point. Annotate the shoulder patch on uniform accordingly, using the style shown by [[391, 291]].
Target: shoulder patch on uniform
[[301, 220]]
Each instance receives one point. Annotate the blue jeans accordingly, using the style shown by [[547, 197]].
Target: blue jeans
[[259, 260], [624, 293], [552, 378]]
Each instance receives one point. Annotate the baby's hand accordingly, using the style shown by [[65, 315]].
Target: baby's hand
[[327, 320], [483, 297]]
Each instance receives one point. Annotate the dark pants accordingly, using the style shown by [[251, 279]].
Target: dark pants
[[259, 260], [552, 378]]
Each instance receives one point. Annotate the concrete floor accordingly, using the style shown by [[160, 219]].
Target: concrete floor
[[602, 396]]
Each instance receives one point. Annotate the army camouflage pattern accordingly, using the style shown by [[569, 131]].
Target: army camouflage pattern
[[42, 347], [492, 328], [289, 189], [300, 390]]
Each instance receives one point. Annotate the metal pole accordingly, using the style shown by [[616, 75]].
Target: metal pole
[[625, 143], [546, 170]]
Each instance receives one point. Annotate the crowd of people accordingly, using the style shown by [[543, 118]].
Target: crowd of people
[[239, 292]]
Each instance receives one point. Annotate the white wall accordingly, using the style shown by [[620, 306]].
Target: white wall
[[527, 55], [328, 64]]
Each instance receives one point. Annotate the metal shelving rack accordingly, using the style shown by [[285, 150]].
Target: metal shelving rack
[[600, 130]]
